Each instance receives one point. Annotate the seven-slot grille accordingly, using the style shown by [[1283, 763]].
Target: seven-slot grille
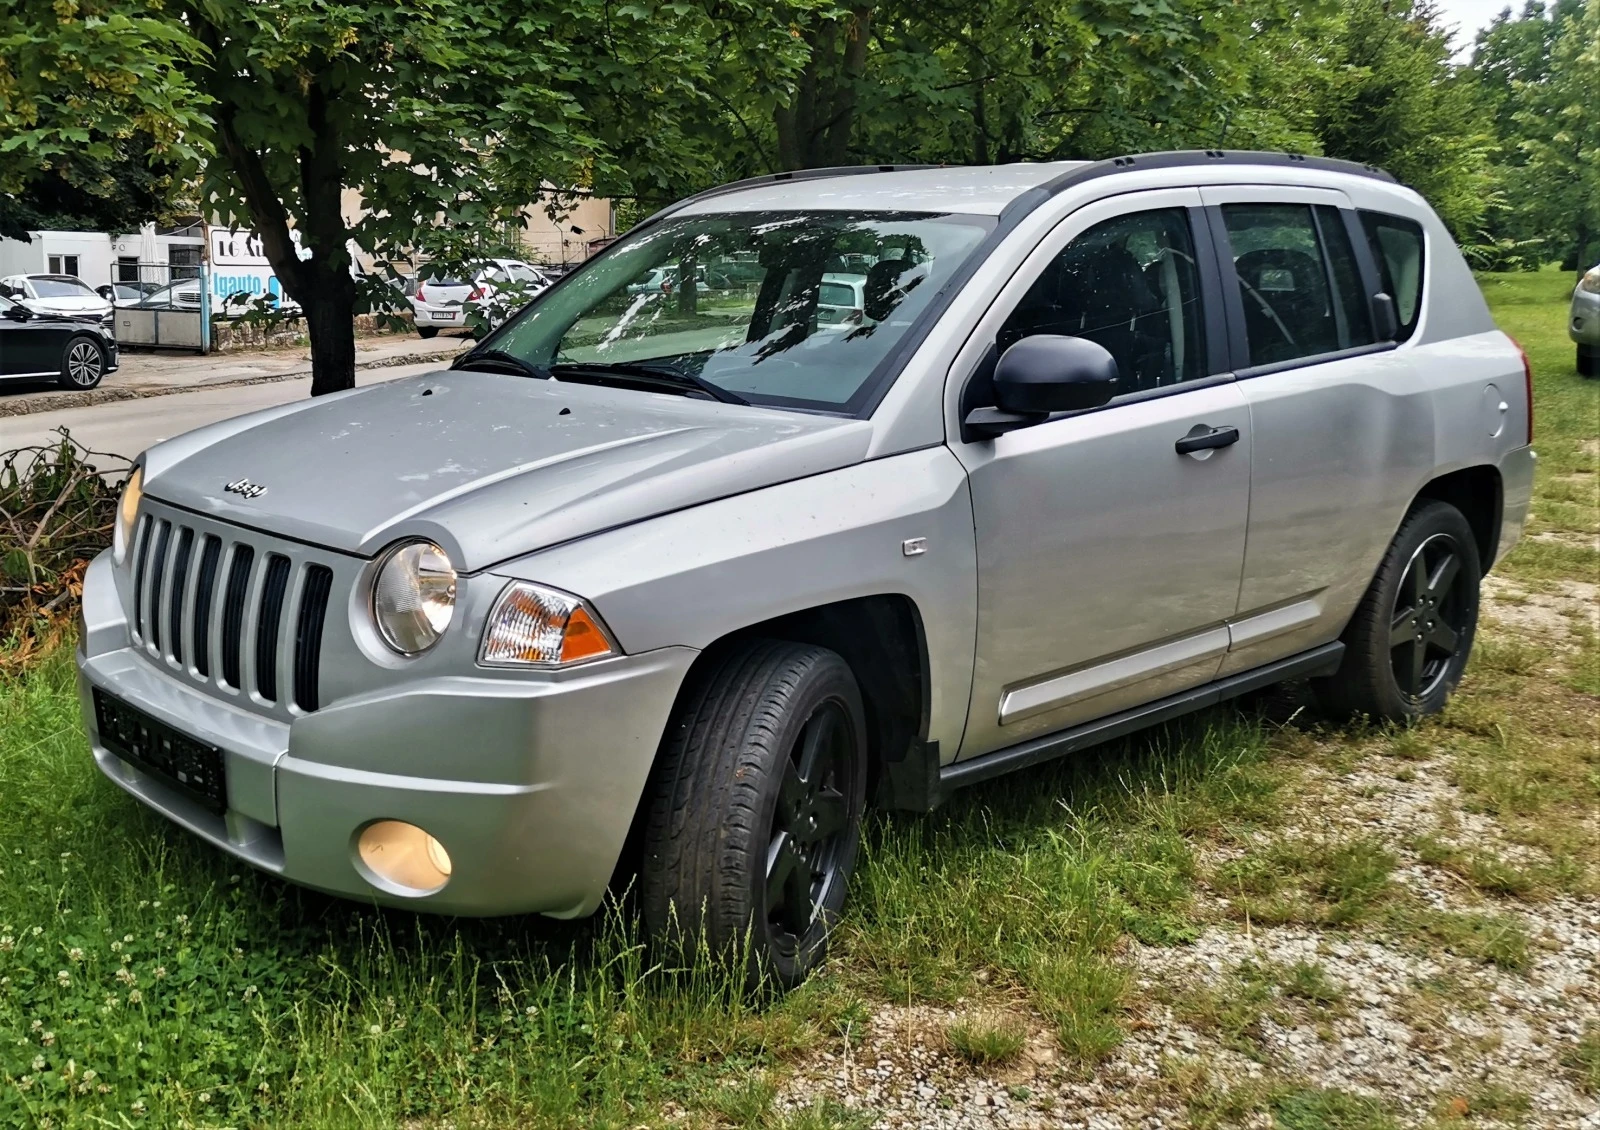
[[228, 613]]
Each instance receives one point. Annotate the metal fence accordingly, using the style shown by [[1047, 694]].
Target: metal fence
[[161, 304]]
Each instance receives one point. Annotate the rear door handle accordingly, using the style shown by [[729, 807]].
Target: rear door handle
[[1225, 436]]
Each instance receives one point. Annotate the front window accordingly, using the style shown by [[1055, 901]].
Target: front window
[[793, 309]]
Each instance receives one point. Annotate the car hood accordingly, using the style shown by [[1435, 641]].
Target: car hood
[[71, 307], [490, 466]]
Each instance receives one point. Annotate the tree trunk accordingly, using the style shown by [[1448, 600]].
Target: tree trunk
[[814, 130], [330, 310]]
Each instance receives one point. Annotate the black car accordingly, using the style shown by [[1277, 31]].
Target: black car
[[76, 353]]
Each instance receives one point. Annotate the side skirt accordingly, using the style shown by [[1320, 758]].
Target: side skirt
[[1322, 660]]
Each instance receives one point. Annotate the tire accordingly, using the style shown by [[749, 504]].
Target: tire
[[1425, 594], [427, 331], [1588, 362], [747, 849], [83, 363]]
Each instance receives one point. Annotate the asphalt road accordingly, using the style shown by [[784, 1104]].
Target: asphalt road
[[127, 427]]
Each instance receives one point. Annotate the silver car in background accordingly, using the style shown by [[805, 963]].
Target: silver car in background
[[673, 583], [1583, 324]]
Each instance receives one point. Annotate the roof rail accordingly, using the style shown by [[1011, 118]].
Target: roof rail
[[781, 178], [1182, 158]]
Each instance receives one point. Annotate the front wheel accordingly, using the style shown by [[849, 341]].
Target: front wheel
[[1408, 642], [83, 363], [1589, 361], [755, 810]]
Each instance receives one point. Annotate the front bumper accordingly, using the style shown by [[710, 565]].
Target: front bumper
[[539, 776], [1583, 322]]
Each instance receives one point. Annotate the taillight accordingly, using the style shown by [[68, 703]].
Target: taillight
[[476, 295], [1527, 385], [421, 297]]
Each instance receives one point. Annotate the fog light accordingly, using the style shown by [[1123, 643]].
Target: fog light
[[404, 855]]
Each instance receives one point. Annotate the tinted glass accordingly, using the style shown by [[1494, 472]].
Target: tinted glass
[[1132, 285], [1397, 246], [748, 314], [1287, 283]]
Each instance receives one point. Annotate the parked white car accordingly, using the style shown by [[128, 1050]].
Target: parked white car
[[499, 287], [66, 296]]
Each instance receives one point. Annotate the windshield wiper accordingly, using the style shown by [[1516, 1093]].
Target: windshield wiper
[[498, 361], [654, 374]]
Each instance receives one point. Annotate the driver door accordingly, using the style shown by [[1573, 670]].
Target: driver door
[[1108, 561]]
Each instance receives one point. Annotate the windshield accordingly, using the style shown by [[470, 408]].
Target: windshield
[[61, 288], [740, 300]]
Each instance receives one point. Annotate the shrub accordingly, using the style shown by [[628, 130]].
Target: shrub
[[57, 506]]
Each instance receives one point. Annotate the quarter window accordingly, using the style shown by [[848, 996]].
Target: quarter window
[[1298, 281], [1397, 246], [1132, 285]]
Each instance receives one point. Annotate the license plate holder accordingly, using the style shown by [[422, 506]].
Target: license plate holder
[[190, 766]]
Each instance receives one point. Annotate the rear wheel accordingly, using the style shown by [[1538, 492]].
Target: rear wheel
[[427, 331], [1588, 361], [755, 810], [83, 363], [1408, 642]]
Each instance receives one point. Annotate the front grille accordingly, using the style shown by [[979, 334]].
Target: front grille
[[214, 608]]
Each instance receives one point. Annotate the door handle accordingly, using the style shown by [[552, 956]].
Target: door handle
[[1225, 436]]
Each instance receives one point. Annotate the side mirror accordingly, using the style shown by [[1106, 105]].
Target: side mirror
[[18, 312], [1042, 374], [1384, 319]]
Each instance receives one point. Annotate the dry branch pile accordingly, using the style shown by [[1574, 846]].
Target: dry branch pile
[[57, 506]]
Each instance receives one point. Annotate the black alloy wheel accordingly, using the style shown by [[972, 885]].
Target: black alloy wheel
[[1429, 617], [809, 839], [1409, 639], [753, 814]]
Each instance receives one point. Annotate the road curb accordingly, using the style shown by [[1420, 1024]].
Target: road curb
[[52, 402]]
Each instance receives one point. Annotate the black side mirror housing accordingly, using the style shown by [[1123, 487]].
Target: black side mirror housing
[[18, 312], [1041, 374], [1385, 321]]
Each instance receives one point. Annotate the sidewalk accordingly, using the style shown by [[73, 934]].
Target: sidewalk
[[149, 368], [158, 373]]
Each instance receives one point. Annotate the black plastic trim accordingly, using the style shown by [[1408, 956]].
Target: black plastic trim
[[1316, 359], [1035, 751]]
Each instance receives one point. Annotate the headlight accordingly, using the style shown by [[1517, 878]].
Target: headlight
[[1590, 281], [413, 596], [534, 626], [127, 515]]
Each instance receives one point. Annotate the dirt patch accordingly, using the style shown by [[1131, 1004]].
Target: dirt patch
[[1546, 616]]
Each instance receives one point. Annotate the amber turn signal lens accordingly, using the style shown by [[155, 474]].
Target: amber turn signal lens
[[583, 638], [534, 626]]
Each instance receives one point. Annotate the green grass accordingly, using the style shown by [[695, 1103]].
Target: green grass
[[157, 982], [987, 1039]]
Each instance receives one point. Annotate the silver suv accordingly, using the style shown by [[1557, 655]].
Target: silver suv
[[699, 573]]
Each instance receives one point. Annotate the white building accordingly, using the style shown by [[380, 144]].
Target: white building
[[85, 254]]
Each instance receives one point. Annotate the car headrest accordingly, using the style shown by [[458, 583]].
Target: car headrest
[[888, 283], [1277, 270]]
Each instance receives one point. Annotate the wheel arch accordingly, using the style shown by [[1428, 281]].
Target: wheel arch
[[1479, 494], [882, 639]]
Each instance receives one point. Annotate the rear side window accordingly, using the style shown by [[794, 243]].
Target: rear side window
[[1298, 281], [1397, 246]]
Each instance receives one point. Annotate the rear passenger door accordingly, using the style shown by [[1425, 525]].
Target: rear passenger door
[[1329, 413]]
